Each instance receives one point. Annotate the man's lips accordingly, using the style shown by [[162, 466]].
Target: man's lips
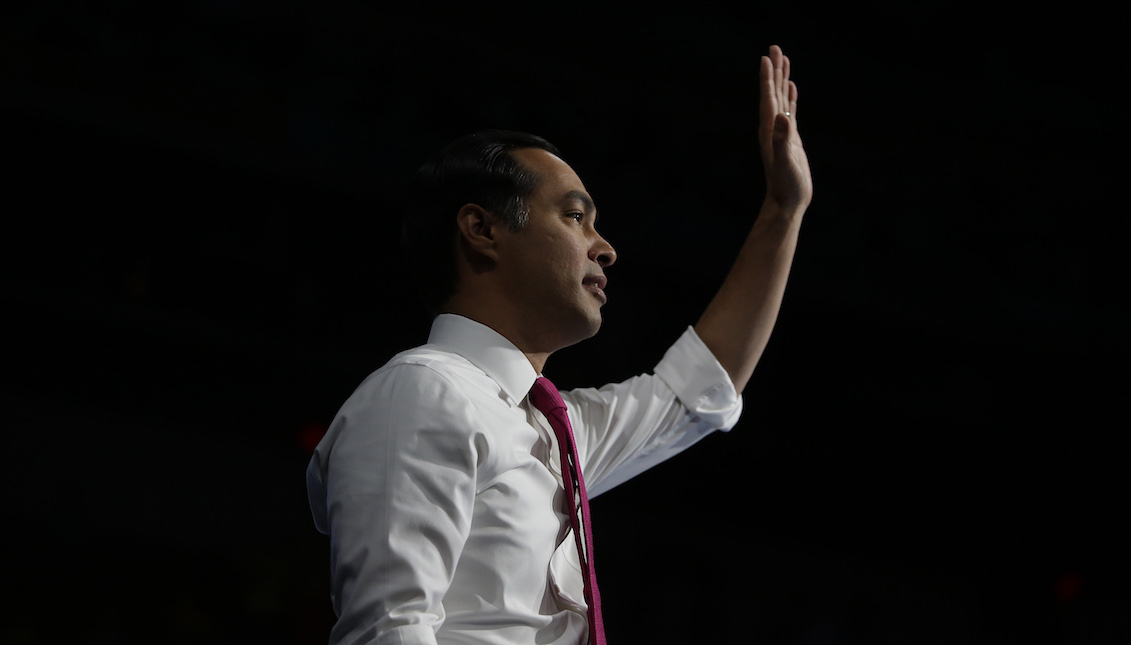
[[598, 281], [596, 284]]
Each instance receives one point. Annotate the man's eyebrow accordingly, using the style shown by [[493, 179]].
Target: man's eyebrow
[[586, 200]]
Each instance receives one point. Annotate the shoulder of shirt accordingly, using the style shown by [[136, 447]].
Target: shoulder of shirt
[[444, 364], [424, 388], [433, 357], [444, 369]]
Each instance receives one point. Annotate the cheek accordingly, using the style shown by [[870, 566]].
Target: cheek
[[558, 257], [568, 264]]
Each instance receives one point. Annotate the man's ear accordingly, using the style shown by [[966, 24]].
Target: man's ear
[[478, 228]]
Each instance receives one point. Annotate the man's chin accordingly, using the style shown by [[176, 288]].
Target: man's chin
[[585, 329], [595, 324]]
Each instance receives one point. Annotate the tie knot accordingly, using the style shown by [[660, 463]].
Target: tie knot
[[545, 396]]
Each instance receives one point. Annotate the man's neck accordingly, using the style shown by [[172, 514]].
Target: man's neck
[[537, 360], [483, 316]]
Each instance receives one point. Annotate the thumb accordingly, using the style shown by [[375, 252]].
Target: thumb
[[781, 132]]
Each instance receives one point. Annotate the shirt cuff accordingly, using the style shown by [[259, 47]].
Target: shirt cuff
[[410, 635], [700, 382]]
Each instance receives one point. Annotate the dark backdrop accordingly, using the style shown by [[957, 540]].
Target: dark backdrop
[[200, 264]]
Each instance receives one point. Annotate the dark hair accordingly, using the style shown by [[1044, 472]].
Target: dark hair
[[475, 169]]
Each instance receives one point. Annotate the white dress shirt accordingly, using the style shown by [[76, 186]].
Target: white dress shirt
[[440, 486]]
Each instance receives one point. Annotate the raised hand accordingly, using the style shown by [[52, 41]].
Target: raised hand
[[789, 185]]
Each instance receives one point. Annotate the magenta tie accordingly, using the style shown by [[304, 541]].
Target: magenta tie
[[545, 397]]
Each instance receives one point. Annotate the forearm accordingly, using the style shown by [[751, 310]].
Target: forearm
[[737, 323]]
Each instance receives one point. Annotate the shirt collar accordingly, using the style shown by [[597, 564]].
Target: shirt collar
[[488, 350]]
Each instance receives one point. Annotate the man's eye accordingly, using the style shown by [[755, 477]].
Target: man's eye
[[577, 216]]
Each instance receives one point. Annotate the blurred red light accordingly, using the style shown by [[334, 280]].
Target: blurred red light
[[310, 435], [1069, 586]]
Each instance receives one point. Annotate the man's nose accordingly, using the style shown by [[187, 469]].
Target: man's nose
[[602, 252]]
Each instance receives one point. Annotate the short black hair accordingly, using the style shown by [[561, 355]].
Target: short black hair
[[475, 169]]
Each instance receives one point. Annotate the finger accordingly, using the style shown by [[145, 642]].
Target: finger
[[776, 59], [778, 80], [784, 88], [775, 55], [792, 101], [768, 105]]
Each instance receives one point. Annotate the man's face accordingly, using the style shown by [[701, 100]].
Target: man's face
[[554, 267]]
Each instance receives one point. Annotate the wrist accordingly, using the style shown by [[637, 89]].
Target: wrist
[[773, 209]]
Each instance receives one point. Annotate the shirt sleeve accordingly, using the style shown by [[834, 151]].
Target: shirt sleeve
[[393, 483], [625, 428]]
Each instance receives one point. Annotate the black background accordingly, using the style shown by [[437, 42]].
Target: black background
[[200, 264]]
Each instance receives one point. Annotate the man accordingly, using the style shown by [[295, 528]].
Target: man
[[442, 480]]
